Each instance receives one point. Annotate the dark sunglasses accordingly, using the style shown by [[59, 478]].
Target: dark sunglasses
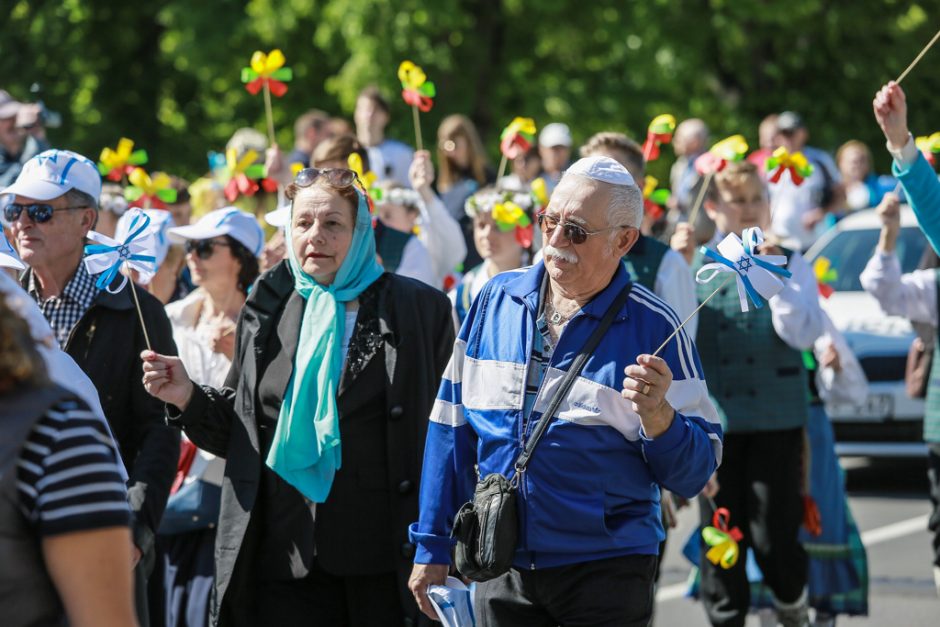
[[572, 232], [38, 213], [203, 248], [339, 178]]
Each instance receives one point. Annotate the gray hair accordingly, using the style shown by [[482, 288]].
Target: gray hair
[[625, 206], [77, 198]]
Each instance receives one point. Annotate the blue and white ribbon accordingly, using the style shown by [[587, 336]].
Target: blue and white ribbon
[[758, 276], [137, 250]]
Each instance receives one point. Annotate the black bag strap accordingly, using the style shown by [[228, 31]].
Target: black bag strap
[[576, 366]]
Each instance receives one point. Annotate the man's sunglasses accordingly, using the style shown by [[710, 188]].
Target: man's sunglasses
[[573, 233], [340, 178], [203, 248], [38, 213]]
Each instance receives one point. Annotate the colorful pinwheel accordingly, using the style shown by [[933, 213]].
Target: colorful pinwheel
[[540, 194], [654, 199], [267, 71], [147, 191], [416, 89], [723, 542], [759, 277], [729, 150], [244, 177], [659, 132], [367, 179], [782, 161], [517, 138], [508, 216], [116, 164], [825, 274], [929, 146]]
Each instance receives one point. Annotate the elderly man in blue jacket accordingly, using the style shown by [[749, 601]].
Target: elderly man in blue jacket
[[589, 504]]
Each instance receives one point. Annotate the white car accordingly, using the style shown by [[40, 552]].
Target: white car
[[888, 423]]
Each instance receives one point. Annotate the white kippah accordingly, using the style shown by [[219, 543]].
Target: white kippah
[[603, 169]]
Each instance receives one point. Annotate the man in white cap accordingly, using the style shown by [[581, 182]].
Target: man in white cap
[[16, 145], [588, 502], [555, 152], [54, 207]]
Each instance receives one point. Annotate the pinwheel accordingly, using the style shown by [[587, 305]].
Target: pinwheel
[[758, 276], [540, 194], [116, 164], [8, 255], [654, 199], [244, 177], [825, 274], [659, 132], [723, 542], [366, 178], [267, 72], [149, 192], [929, 146], [137, 252], [729, 150], [418, 92], [783, 161], [515, 140]]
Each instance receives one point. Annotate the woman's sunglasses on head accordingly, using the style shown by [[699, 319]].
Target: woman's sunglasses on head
[[339, 178], [37, 212], [203, 248]]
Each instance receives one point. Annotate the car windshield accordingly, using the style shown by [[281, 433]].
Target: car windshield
[[850, 250]]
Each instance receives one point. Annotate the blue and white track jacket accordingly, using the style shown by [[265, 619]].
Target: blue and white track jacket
[[591, 489]]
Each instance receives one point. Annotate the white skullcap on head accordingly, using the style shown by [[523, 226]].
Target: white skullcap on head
[[603, 169]]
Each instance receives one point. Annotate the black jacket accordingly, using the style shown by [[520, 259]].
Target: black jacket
[[106, 344], [412, 332]]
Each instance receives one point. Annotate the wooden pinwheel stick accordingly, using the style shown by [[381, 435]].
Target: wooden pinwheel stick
[[269, 114], [918, 58], [502, 167], [140, 314], [697, 205], [697, 309], [419, 144]]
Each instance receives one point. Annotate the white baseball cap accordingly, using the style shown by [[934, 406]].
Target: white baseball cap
[[52, 173], [231, 221], [279, 217], [555, 134], [161, 221], [8, 256]]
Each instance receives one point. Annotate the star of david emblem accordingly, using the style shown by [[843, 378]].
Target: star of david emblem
[[744, 264], [124, 252]]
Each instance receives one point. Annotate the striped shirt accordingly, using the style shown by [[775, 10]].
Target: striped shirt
[[65, 310], [67, 475]]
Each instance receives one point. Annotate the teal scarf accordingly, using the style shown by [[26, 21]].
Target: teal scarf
[[306, 447]]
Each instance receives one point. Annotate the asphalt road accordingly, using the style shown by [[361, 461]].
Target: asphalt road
[[889, 502]]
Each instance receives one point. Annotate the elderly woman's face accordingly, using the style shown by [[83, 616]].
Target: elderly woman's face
[[322, 228]]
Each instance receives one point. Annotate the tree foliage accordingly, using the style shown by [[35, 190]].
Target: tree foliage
[[166, 73]]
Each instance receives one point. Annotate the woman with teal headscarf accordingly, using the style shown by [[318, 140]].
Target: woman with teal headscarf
[[322, 421]]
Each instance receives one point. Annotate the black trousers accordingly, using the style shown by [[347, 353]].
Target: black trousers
[[616, 591], [933, 473], [760, 481], [324, 599]]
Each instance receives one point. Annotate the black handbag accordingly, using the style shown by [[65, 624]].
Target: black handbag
[[486, 528]]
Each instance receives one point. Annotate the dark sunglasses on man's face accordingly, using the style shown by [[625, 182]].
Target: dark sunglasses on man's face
[[339, 178], [203, 248], [572, 232], [38, 213]]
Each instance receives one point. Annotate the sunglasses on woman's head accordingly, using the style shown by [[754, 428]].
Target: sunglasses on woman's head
[[339, 178], [203, 248], [574, 233], [38, 212]]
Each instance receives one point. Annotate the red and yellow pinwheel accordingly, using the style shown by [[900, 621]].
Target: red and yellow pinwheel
[[723, 542], [267, 71], [654, 199], [517, 138], [783, 161], [659, 132], [416, 89], [929, 146], [245, 177], [540, 194], [729, 150], [149, 192], [116, 164], [825, 274]]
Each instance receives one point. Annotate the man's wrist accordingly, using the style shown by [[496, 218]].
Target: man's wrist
[[660, 423]]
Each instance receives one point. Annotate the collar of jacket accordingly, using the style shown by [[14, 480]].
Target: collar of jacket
[[527, 286], [120, 301]]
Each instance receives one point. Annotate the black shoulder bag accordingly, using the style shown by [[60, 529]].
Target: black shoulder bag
[[486, 528]]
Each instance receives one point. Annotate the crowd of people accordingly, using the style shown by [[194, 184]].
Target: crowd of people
[[284, 421]]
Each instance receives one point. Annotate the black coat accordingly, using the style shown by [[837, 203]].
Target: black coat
[[414, 334], [106, 344]]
